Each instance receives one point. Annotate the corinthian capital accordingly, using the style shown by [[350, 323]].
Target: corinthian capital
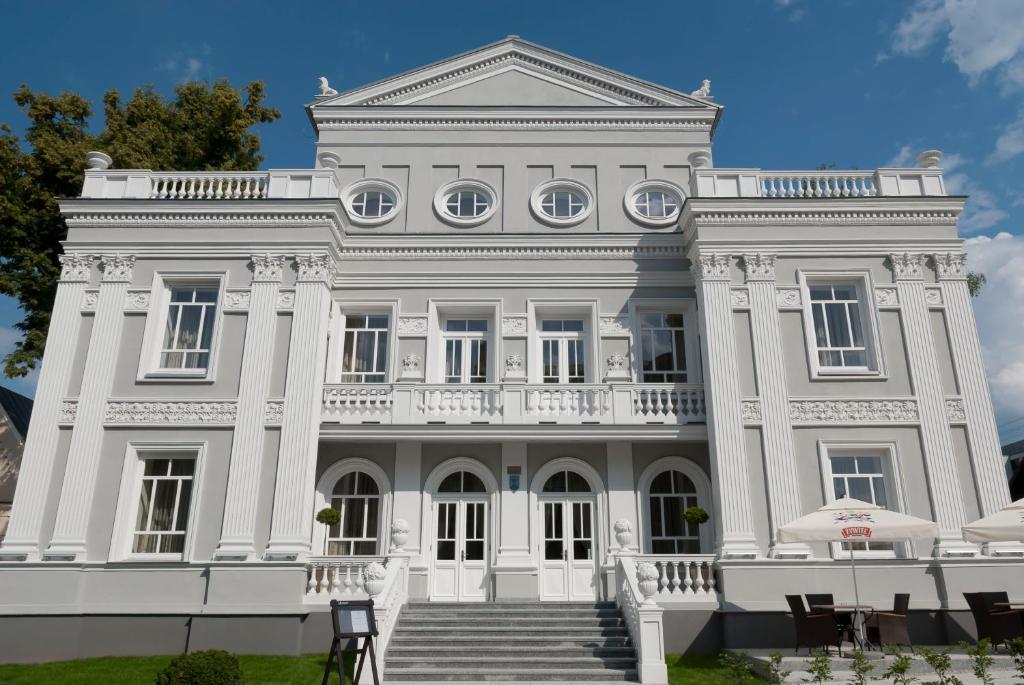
[[908, 266], [267, 268], [712, 266], [951, 265], [117, 268], [314, 267], [759, 267], [75, 268]]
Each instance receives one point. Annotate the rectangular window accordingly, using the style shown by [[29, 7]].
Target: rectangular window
[[838, 321], [863, 476], [465, 358], [563, 349], [365, 355], [188, 329], [662, 348], [164, 505]]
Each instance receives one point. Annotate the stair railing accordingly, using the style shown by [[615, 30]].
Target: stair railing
[[635, 587], [389, 596]]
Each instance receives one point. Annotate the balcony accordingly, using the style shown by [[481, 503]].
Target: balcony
[[143, 184], [514, 403], [923, 181]]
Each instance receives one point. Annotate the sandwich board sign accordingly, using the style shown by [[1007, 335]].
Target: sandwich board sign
[[352, 621]]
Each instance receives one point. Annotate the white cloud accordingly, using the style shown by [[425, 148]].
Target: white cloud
[[188, 67], [1010, 142], [903, 158], [999, 311]]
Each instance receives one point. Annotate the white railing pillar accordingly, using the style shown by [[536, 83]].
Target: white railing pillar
[[389, 595], [634, 596]]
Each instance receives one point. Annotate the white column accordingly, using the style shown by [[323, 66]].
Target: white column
[[936, 437], [292, 524], [76, 495], [238, 527], [781, 475], [514, 531], [722, 393], [408, 495], [622, 495], [25, 528], [982, 435]]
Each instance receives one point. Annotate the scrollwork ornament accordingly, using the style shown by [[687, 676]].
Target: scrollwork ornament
[[411, 362], [908, 266], [273, 412], [616, 362], [514, 364], [267, 268], [853, 411], [314, 268], [955, 411], [412, 325], [712, 267], [887, 297], [951, 265], [750, 410], [513, 325], [75, 268], [787, 298], [171, 413], [759, 267], [117, 268], [614, 325]]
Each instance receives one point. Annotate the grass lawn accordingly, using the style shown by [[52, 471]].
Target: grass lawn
[[268, 670]]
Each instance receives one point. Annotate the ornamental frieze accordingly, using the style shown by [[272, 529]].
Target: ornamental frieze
[[955, 411], [750, 411], [273, 412], [171, 413], [951, 265], [740, 298], [907, 266], [513, 326], [412, 326], [887, 297], [75, 267], [788, 298], [612, 326], [236, 300], [68, 412], [815, 412]]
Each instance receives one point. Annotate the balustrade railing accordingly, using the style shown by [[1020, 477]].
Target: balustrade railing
[[634, 596], [817, 184], [684, 578], [825, 184], [337, 577], [514, 403], [209, 186]]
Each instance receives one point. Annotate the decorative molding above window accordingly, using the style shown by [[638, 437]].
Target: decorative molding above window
[[750, 411], [955, 410], [887, 298], [513, 326], [273, 412], [614, 327], [372, 201], [933, 296], [812, 412], [221, 413], [412, 326], [561, 202], [740, 298], [137, 301], [236, 301], [465, 202], [788, 298], [67, 413], [654, 203]]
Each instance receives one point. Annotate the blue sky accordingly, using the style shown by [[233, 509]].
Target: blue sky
[[856, 84]]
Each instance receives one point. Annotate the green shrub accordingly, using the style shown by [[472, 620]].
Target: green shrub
[[861, 667], [328, 516], [776, 674], [212, 667], [696, 516], [899, 669], [736, 666], [820, 667]]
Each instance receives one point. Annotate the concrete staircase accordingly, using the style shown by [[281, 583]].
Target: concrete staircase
[[526, 641]]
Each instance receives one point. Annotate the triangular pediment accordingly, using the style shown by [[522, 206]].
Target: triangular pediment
[[513, 73]]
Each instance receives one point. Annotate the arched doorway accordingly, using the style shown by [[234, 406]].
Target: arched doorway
[[461, 514], [568, 532]]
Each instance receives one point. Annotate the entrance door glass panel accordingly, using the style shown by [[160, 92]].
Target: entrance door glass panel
[[569, 555]]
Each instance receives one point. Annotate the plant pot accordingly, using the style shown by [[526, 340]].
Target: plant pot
[[624, 538], [649, 588], [374, 586], [398, 540]]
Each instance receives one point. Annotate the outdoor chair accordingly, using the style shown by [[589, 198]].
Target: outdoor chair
[[996, 624], [890, 627], [813, 630], [844, 622]]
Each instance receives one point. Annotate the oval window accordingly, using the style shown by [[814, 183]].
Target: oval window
[[371, 201], [561, 202], [372, 204], [465, 202], [655, 203]]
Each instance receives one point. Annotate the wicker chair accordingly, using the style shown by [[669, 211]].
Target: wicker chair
[[813, 630], [995, 624], [844, 622], [890, 627]]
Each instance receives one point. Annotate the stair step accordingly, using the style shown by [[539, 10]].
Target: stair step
[[538, 622], [481, 651], [482, 674], [519, 661], [467, 642], [526, 612], [510, 605]]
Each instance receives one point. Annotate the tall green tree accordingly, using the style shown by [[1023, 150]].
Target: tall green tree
[[205, 126]]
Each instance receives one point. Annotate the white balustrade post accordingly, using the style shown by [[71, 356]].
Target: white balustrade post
[[36, 471], [621, 493], [781, 474], [292, 522], [712, 272], [651, 641], [239, 524], [79, 484], [936, 437]]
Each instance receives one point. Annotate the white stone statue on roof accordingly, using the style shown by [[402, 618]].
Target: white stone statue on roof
[[325, 88]]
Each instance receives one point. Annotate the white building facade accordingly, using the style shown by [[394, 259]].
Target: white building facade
[[511, 325]]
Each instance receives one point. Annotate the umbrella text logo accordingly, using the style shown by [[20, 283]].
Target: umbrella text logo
[[854, 517], [856, 532]]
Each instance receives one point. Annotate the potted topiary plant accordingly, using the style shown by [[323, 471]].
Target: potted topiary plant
[[696, 516], [328, 517]]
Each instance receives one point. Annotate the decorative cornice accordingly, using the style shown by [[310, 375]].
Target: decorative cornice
[[887, 297], [266, 268], [832, 217], [117, 268], [184, 413], [750, 411], [412, 326], [314, 268], [712, 267], [951, 266], [740, 297], [75, 268], [273, 412], [853, 411], [759, 267], [788, 298], [955, 411], [526, 252], [908, 266], [513, 326], [154, 216], [504, 123]]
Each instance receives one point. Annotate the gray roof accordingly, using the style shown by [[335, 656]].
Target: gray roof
[[18, 408]]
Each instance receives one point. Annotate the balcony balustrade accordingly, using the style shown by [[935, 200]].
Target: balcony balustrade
[[337, 577], [913, 182], [514, 403], [684, 577]]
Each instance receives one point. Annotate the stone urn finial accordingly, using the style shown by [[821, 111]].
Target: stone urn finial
[[375, 574], [929, 159], [623, 533], [647, 574], [700, 159], [97, 161], [399, 535]]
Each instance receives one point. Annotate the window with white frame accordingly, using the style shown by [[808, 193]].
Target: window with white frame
[[838, 316], [465, 350], [187, 335], [164, 505], [862, 475], [662, 348], [671, 493], [563, 353], [365, 352], [357, 498]]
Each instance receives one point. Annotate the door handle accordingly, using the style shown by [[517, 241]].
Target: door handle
[[564, 557], [463, 553]]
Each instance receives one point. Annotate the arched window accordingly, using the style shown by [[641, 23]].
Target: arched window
[[566, 481], [461, 481], [671, 494], [357, 498]]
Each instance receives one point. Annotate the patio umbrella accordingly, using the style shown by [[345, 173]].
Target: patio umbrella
[[1006, 525], [851, 520]]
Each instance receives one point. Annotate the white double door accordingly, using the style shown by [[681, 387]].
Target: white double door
[[461, 550], [568, 549]]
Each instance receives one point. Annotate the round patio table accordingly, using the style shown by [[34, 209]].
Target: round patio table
[[858, 617]]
